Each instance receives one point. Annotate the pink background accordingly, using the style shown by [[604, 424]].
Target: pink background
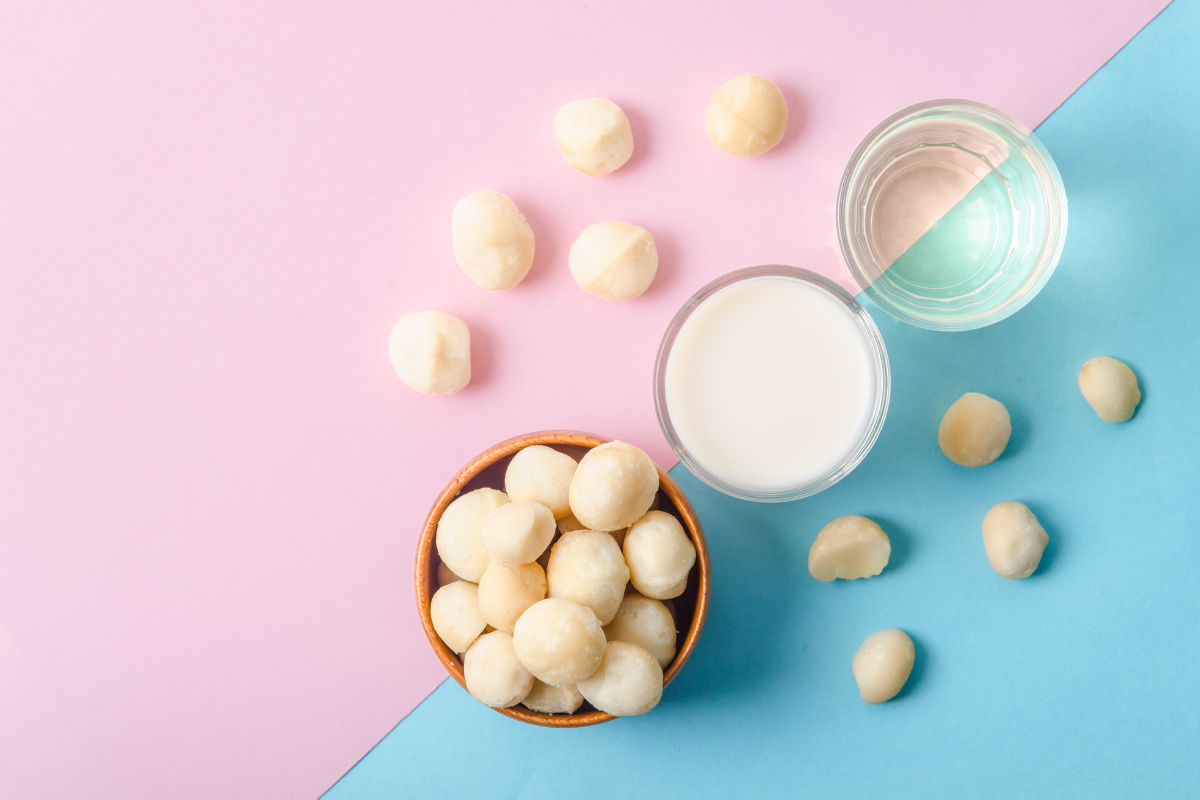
[[211, 214]]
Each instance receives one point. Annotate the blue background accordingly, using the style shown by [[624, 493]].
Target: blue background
[[1082, 681]]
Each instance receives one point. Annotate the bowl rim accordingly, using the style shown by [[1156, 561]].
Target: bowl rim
[[426, 547]]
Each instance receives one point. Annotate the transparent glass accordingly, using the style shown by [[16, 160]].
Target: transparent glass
[[951, 215], [879, 405]]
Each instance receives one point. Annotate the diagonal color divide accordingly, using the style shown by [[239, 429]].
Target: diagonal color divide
[[211, 214], [1079, 681]]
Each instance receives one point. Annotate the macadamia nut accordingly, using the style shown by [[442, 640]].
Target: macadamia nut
[[493, 673], [1111, 388], [849, 547], [569, 523], [506, 592], [975, 430], [517, 533], [614, 260], [613, 486], [660, 555], [747, 116], [543, 475], [459, 539], [628, 681], [446, 575], [647, 623], [492, 241], [456, 617], [558, 641], [431, 352], [882, 665], [549, 699], [587, 567], [1014, 540], [593, 135]]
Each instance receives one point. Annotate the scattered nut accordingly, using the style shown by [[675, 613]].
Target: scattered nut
[[1014, 540], [849, 547], [1111, 388], [975, 430]]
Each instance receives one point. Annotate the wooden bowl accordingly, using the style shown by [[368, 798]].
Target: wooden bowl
[[487, 470]]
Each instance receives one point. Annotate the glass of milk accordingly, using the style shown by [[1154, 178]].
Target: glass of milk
[[771, 383]]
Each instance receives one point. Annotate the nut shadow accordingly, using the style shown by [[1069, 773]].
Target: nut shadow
[[921, 661], [903, 543], [1054, 547], [548, 249]]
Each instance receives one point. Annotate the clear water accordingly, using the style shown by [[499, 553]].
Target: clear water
[[980, 250]]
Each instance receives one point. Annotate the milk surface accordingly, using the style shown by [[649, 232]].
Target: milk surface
[[770, 383]]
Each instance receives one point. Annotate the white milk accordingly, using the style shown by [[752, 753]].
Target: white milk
[[770, 383]]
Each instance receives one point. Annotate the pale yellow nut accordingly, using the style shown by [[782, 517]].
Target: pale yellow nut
[[456, 617], [547, 699], [593, 135], [1013, 539], [614, 260], [459, 532], [569, 523], [613, 487], [543, 475], [975, 430], [505, 593], [587, 567], [1111, 388], [628, 681], [882, 665], [646, 622], [850, 547], [493, 673], [493, 242], [660, 555], [747, 116], [558, 641], [431, 352], [517, 533]]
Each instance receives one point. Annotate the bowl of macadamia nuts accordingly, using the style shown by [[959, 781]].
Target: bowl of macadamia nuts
[[563, 579]]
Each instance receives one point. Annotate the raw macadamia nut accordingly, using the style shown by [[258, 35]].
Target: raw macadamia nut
[[569, 523], [549, 699], [494, 675], [660, 555], [1014, 540], [431, 352], [975, 430], [543, 475], [613, 487], [1110, 388], [747, 116], [628, 681], [517, 533], [647, 623], [459, 540], [560, 642], [446, 575], [614, 260], [882, 665], [454, 610], [593, 135], [492, 241], [849, 547], [586, 567], [506, 592]]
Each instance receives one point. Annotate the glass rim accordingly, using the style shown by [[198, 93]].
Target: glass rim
[[1053, 191], [879, 407]]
